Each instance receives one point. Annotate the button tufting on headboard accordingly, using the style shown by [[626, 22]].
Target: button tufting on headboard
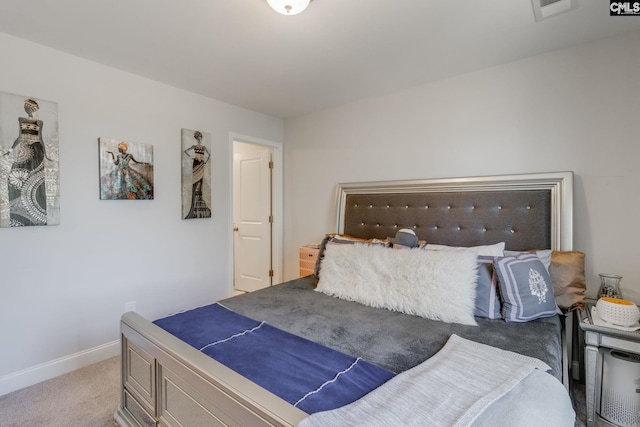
[[456, 218], [525, 211]]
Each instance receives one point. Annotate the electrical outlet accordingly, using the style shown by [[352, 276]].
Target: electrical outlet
[[129, 306]]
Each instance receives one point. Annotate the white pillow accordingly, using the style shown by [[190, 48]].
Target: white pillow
[[438, 285], [496, 249]]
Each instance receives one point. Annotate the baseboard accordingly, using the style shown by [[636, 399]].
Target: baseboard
[[35, 374]]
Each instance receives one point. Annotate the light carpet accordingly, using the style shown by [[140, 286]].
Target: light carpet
[[86, 397]]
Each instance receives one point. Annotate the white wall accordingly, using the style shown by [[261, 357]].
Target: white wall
[[575, 110], [63, 288]]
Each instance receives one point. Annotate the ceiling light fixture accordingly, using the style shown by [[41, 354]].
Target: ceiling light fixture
[[543, 9], [289, 7]]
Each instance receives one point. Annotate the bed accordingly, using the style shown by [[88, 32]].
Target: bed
[[167, 381]]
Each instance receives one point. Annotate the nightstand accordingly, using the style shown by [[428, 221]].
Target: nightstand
[[308, 257], [605, 349]]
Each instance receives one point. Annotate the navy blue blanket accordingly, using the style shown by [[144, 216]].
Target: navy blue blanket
[[306, 374]]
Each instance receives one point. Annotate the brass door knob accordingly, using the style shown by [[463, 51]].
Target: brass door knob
[[235, 229]]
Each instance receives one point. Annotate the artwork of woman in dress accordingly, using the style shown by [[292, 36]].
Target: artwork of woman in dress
[[196, 175], [29, 169], [126, 170]]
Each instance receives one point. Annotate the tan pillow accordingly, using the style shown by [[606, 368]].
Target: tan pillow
[[568, 279]]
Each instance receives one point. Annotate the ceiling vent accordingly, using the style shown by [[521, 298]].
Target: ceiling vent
[[543, 9]]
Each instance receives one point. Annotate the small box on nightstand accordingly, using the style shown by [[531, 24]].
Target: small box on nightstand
[[308, 257]]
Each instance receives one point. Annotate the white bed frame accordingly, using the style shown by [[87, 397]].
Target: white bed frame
[[166, 382]]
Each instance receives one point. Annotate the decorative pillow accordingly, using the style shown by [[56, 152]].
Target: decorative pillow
[[496, 249], [487, 299], [341, 238], [568, 278], [544, 255], [525, 288], [421, 245], [566, 269], [323, 246], [436, 285]]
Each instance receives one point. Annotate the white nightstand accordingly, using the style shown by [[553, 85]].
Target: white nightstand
[[599, 343]]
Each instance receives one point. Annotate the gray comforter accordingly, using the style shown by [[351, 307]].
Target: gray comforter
[[392, 340]]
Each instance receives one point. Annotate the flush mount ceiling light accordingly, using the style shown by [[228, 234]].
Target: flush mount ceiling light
[[289, 7], [543, 9]]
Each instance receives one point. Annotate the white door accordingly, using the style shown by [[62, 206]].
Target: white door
[[252, 219]]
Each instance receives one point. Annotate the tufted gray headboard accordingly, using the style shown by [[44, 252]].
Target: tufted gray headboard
[[529, 211]]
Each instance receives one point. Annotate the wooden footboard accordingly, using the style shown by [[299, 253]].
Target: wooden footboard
[[166, 382]]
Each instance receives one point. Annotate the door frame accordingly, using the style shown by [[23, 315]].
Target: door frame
[[277, 205]]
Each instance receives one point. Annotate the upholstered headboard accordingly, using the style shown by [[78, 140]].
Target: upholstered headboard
[[532, 211]]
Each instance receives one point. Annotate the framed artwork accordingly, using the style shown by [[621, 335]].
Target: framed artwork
[[126, 170], [29, 161], [196, 174]]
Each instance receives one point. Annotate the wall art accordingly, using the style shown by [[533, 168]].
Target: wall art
[[29, 161], [196, 174], [126, 170]]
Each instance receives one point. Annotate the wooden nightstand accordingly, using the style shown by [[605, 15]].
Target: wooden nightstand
[[600, 342], [308, 257]]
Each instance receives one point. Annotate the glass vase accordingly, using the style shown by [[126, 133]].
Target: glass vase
[[609, 285]]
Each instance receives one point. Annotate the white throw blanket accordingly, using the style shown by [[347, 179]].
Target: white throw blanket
[[452, 388]]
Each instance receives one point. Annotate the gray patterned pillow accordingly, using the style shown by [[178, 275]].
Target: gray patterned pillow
[[544, 255], [525, 288], [487, 300]]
